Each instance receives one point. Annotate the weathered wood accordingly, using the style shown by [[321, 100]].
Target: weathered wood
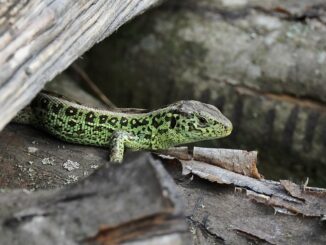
[[285, 195], [39, 39], [221, 214], [238, 161], [111, 206]]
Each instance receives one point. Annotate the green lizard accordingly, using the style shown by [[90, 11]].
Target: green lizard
[[179, 123]]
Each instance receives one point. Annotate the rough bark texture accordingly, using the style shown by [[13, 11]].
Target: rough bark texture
[[261, 62], [220, 215], [121, 203], [39, 39]]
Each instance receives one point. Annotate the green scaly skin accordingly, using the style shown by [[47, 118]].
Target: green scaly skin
[[179, 123]]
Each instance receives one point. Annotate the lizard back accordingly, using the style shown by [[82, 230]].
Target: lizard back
[[76, 123]]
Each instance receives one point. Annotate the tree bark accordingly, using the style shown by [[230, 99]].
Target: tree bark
[[39, 39]]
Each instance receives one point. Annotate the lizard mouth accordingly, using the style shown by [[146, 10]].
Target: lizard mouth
[[228, 129]]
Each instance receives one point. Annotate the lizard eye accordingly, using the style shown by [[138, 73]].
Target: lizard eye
[[202, 120]]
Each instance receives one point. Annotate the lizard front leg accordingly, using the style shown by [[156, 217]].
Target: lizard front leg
[[119, 140]]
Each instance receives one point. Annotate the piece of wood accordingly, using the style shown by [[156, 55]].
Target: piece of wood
[[238, 161], [39, 39], [118, 203], [284, 195], [226, 214]]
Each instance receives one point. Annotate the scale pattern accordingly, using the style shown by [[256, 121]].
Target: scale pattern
[[178, 123]]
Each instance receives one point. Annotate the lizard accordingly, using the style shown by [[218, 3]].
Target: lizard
[[182, 122]]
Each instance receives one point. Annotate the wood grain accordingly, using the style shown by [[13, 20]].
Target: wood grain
[[39, 39]]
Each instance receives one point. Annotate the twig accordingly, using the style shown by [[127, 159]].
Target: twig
[[95, 89]]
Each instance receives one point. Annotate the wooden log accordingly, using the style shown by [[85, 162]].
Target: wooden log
[[39, 39], [112, 206]]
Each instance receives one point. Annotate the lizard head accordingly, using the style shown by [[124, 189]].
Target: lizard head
[[193, 121]]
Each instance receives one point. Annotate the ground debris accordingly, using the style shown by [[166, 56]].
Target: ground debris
[[285, 196], [48, 161], [71, 165], [238, 161]]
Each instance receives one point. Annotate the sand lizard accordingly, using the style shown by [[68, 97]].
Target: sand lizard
[[178, 123]]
